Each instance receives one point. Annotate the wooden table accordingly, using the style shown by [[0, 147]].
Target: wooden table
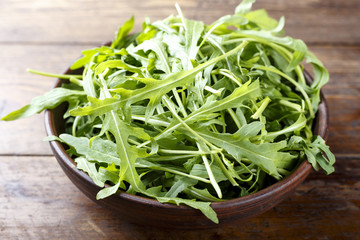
[[37, 201]]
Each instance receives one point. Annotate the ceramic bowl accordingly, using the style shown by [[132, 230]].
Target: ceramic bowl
[[149, 212]]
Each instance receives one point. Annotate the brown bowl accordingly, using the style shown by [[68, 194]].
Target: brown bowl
[[150, 212]]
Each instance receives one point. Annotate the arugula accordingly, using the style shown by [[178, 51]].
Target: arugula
[[49, 101], [188, 113]]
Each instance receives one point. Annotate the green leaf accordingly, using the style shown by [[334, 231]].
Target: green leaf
[[319, 154], [97, 108], [108, 191], [249, 130], [157, 47], [101, 151], [148, 32], [51, 138], [298, 55], [321, 77], [261, 19], [202, 194], [232, 20], [123, 31], [110, 173], [244, 7], [204, 207], [90, 168], [127, 153], [181, 184], [296, 126], [88, 55], [50, 100], [193, 32], [141, 163], [245, 92], [201, 171], [101, 67], [264, 155]]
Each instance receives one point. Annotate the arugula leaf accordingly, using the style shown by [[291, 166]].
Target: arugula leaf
[[317, 152], [244, 6], [90, 168], [193, 32], [261, 19], [123, 31], [101, 67], [108, 191], [50, 100], [264, 155], [98, 107], [201, 194], [179, 186], [127, 154], [109, 173], [156, 46], [99, 150], [204, 207]]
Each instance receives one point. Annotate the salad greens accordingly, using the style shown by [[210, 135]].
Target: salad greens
[[188, 113]]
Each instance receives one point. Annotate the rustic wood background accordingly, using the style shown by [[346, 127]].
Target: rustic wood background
[[37, 201]]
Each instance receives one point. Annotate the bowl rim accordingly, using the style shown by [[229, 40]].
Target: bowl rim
[[298, 175]]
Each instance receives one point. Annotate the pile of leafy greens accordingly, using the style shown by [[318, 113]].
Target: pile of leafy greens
[[188, 113]]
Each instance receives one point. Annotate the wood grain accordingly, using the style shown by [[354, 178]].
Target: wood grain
[[18, 87], [38, 21], [36, 206]]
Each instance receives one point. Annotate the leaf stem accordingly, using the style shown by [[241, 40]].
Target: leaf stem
[[295, 83], [261, 109], [180, 152], [165, 169], [46, 74], [282, 50], [234, 117], [172, 110]]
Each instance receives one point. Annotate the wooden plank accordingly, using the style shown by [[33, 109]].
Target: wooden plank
[[77, 21], [39, 202], [18, 88], [22, 86], [310, 20], [327, 21], [24, 137]]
